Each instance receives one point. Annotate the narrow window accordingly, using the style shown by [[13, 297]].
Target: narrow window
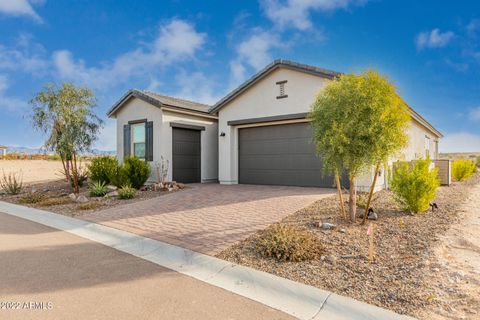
[[427, 146], [138, 140], [281, 87]]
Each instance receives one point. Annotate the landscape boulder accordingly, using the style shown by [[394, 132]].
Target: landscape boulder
[[81, 199]]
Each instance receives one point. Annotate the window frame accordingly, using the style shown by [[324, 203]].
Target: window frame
[[136, 124]]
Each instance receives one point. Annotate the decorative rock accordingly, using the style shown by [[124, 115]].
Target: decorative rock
[[82, 199], [331, 259], [111, 194], [181, 185], [72, 196], [111, 188], [327, 226], [342, 230], [371, 216]]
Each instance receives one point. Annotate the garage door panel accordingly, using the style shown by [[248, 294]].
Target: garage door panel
[[186, 155], [269, 147], [298, 161], [280, 155]]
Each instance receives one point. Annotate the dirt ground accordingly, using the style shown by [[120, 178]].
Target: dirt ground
[[457, 284], [33, 171], [406, 276]]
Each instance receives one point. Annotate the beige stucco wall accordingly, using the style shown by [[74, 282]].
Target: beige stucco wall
[[136, 109], [260, 101]]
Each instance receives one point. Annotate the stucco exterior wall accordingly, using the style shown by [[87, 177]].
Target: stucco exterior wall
[[416, 148], [260, 101], [137, 109]]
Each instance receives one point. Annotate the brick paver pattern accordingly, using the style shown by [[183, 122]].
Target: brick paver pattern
[[208, 218]]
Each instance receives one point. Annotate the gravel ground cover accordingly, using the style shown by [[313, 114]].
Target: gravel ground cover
[[57, 192], [401, 276]]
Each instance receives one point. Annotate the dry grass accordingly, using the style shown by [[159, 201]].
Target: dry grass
[[55, 201], [31, 198], [90, 205]]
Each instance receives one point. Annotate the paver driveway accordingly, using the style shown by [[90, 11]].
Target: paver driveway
[[208, 218]]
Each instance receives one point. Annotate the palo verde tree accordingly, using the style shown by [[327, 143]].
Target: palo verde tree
[[64, 114], [349, 117]]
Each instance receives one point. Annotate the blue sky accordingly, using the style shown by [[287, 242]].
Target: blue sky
[[200, 50]]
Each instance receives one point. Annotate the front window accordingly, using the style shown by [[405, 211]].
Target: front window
[[427, 146], [138, 133]]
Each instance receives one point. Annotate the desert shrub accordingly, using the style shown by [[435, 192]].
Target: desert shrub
[[98, 189], [414, 188], [135, 170], [102, 169], [478, 161], [31, 198], [127, 192], [55, 201], [118, 177], [463, 169], [288, 243], [11, 183], [89, 205]]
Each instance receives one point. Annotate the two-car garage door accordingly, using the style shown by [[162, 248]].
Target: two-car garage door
[[280, 155]]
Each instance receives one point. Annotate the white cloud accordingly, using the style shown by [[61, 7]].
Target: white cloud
[[460, 142], [475, 114], [196, 86], [6, 102], [255, 52], [177, 41], [433, 39], [19, 8], [25, 56], [296, 13], [473, 27]]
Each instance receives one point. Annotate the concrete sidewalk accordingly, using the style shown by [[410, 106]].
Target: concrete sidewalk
[[81, 279]]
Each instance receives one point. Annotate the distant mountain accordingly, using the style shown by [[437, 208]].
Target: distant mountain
[[26, 150]]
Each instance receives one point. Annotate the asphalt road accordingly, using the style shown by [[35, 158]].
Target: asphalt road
[[51, 274]]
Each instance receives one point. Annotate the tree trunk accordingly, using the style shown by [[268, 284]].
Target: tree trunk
[[352, 201], [367, 206], [67, 173], [340, 196], [62, 157], [75, 174]]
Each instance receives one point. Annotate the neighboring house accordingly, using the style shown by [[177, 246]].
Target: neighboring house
[[257, 134], [3, 151]]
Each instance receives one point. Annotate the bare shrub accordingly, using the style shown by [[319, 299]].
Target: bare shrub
[[12, 183], [285, 242]]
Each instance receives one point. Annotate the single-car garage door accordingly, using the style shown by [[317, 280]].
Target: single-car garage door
[[186, 155], [280, 155]]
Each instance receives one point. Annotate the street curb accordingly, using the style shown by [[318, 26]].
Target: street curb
[[299, 300]]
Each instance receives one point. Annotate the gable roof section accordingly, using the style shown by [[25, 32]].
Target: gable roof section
[[159, 101], [276, 64]]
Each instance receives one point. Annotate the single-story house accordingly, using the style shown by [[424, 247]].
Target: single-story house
[[257, 134]]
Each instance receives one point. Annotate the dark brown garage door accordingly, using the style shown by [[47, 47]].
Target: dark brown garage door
[[186, 155], [280, 155]]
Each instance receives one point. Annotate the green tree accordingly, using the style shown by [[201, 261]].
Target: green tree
[[64, 114], [358, 121]]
